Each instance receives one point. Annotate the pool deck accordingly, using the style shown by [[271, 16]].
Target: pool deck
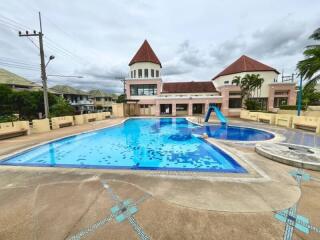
[[57, 203]]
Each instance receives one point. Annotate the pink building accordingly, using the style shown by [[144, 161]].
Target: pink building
[[147, 94]]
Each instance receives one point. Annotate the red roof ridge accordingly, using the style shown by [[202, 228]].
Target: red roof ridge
[[188, 87], [145, 54], [245, 64]]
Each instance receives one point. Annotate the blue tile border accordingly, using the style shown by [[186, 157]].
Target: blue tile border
[[161, 169]]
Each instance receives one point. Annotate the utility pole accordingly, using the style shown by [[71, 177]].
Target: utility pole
[[42, 64]]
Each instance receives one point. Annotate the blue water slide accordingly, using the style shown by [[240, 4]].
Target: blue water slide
[[220, 116]]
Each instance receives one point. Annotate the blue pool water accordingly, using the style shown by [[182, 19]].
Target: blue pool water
[[153, 144], [234, 133]]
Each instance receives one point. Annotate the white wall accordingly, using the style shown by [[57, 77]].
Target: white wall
[[145, 65], [268, 77]]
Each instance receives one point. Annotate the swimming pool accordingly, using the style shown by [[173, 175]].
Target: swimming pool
[[234, 133], [140, 144]]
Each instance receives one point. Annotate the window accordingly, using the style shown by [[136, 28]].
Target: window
[[146, 73], [280, 101], [157, 73], [235, 103], [143, 90], [226, 82], [139, 73], [134, 74], [182, 107], [152, 73]]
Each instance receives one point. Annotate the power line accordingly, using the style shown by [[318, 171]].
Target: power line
[[18, 66], [18, 61], [13, 22], [16, 26]]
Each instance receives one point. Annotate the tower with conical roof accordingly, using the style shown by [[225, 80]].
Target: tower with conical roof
[[145, 63]]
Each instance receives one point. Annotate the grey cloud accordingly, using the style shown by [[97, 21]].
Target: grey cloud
[[171, 69], [106, 34], [104, 73], [191, 55], [227, 51], [279, 40]]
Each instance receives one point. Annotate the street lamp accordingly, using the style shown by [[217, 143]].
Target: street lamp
[[300, 97], [50, 58], [45, 88]]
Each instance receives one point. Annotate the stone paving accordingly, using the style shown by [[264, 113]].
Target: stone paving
[[52, 203]]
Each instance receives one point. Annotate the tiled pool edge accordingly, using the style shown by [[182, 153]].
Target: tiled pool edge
[[154, 172], [26, 149], [277, 137]]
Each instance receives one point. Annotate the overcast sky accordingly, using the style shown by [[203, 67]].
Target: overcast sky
[[194, 40]]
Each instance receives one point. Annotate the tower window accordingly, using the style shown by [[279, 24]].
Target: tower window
[[157, 73], [139, 73], [131, 74], [134, 74], [152, 73], [146, 73]]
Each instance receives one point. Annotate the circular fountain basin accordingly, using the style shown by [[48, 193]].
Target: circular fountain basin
[[291, 154]]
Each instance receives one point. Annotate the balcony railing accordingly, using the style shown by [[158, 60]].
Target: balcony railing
[[81, 102]]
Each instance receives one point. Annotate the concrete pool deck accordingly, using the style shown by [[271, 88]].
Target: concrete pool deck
[[56, 203]]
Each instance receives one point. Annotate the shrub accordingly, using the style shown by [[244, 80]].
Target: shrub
[[291, 107], [252, 105], [8, 118], [61, 108]]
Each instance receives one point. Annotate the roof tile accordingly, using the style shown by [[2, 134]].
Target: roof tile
[[245, 64], [145, 54], [188, 87]]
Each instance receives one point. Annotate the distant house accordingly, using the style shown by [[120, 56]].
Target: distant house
[[77, 98], [102, 100], [17, 82]]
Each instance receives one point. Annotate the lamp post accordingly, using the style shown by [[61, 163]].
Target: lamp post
[[45, 88], [300, 97]]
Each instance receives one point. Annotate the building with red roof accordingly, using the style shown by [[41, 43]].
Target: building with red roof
[[148, 94]]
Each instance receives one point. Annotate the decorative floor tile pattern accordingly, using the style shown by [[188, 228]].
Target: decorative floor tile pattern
[[290, 217], [121, 211]]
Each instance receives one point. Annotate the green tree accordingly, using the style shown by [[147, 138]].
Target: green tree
[[121, 98], [61, 108], [26, 104], [309, 68], [5, 100], [310, 95], [249, 84]]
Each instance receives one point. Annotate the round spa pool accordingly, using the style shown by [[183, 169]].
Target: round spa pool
[[234, 133]]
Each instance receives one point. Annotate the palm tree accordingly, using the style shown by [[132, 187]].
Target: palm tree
[[248, 84], [309, 68]]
